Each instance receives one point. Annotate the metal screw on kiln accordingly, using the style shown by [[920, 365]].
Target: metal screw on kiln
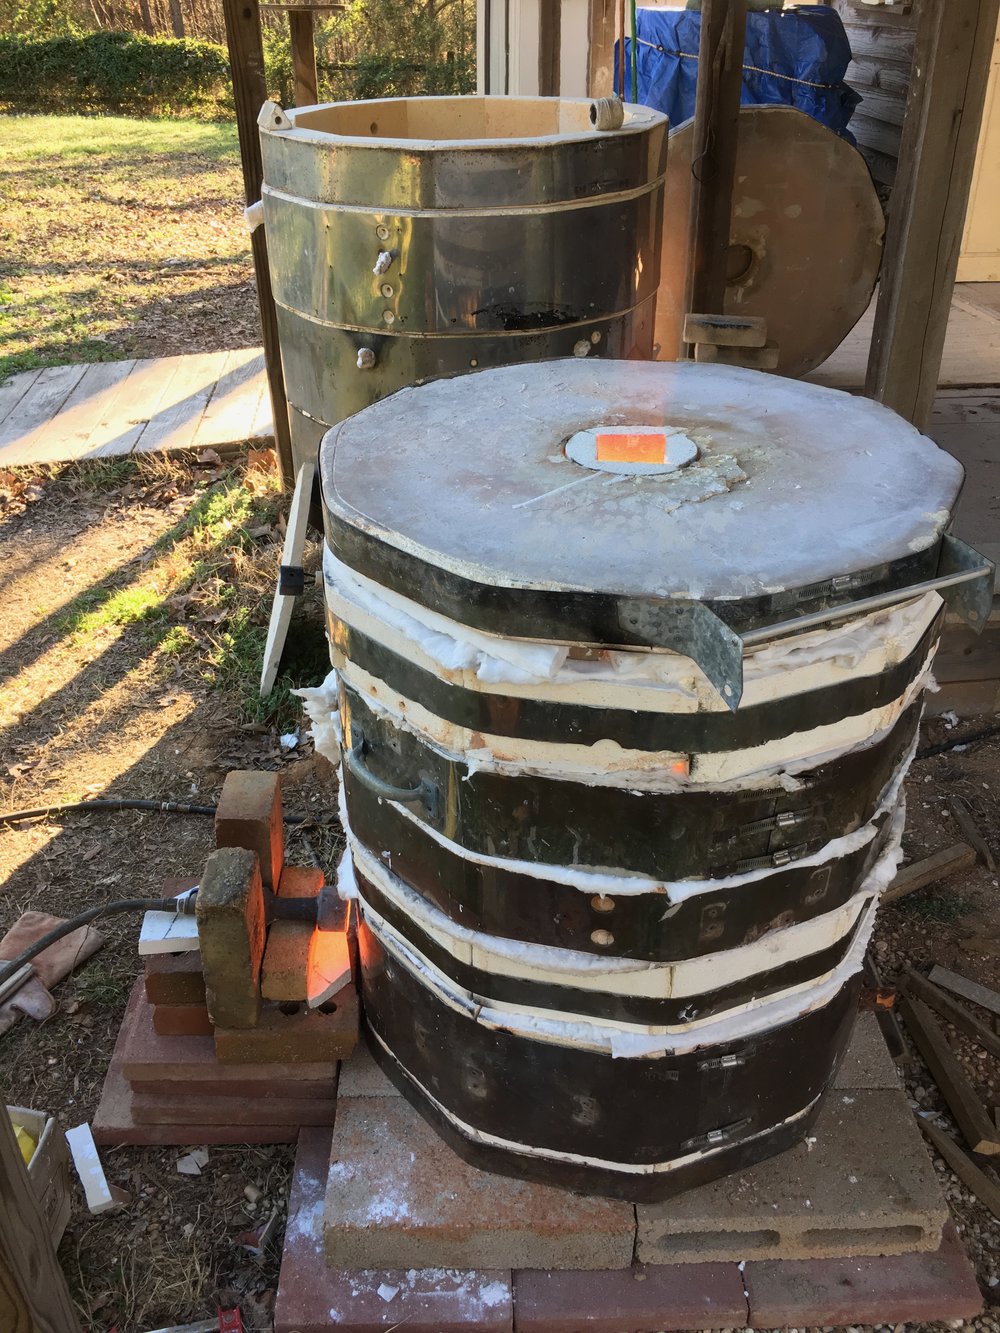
[[388, 317], [602, 903], [366, 358], [581, 348], [382, 232], [384, 262], [602, 937], [386, 289]]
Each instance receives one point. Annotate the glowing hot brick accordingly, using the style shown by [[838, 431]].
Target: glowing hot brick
[[622, 447]]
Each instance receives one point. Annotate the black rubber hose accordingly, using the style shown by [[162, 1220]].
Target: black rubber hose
[[969, 738], [7, 969], [129, 803]]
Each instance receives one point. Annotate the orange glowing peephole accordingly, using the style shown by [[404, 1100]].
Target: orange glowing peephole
[[622, 447]]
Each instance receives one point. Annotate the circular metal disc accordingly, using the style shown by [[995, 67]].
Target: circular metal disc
[[806, 239]]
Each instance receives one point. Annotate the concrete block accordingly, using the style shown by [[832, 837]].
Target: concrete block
[[678, 1296], [861, 1183], [398, 1197], [360, 1076], [313, 1298], [867, 1063], [248, 815], [155, 1064], [292, 1034], [182, 1020], [919, 1289], [230, 911], [174, 978]]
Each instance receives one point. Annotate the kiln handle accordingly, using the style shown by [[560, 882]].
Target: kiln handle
[[426, 792]]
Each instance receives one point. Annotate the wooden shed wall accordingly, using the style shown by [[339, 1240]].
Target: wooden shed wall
[[881, 40]]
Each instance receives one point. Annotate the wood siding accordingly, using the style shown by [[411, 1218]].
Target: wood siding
[[882, 43]]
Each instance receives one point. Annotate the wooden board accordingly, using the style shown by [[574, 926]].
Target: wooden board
[[963, 1166], [33, 1293], [929, 870], [42, 401], [952, 1012], [970, 1114], [291, 554], [969, 990]]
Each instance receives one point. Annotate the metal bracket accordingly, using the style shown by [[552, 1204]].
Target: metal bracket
[[696, 631], [292, 580], [425, 792], [971, 596], [715, 1137]]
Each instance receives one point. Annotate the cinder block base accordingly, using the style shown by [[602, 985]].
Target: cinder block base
[[867, 1063], [313, 1298], [861, 1183], [399, 1197], [360, 1076]]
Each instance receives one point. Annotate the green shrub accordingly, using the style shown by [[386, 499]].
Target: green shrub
[[115, 72]]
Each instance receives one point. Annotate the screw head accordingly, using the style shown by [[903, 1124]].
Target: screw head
[[382, 232], [388, 317], [386, 290]]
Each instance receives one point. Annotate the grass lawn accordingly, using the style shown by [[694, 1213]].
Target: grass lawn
[[120, 238]]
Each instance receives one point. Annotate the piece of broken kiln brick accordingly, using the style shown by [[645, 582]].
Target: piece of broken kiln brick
[[291, 1033], [174, 978], [860, 1183], [230, 912], [249, 815], [182, 1020], [314, 1298], [399, 1197]]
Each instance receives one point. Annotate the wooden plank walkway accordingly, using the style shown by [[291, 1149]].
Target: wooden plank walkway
[[214, 400]]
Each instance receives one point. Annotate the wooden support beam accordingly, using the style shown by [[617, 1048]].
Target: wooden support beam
[[303, 32], [713, 151], [246, 63], [944, 109], [952, 1012], [970, 1114], [549, 48], [601, 48], [34, 1297]]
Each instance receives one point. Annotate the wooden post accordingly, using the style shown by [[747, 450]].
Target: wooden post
[[302, 27], [600, 56], [246, 63], [34, 1297], [549, 41], [944, 110], [713, 152]]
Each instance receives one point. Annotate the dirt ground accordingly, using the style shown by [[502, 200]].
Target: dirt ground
[[121, 619]]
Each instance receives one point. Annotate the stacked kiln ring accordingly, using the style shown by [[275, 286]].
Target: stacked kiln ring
[[611, 929]]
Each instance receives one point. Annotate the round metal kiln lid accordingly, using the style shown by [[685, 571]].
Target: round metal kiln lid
[[793, 485]]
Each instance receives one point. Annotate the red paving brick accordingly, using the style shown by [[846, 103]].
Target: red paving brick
[[646, 1297], [313, 1298], [182, 1020], [907, 1288]]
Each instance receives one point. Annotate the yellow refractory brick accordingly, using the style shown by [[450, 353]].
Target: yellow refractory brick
[[230, 912]]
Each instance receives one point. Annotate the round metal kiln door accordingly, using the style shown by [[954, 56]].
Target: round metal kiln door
[[472, 496], [806, 235]]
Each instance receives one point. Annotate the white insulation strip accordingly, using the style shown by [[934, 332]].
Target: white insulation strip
[[616, 883], [554, 1155], [625, 976]]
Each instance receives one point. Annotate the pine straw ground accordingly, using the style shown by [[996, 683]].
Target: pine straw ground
[[136, 596]]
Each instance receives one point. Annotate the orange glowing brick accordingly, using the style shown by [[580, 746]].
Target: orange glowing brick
[[623, 447]]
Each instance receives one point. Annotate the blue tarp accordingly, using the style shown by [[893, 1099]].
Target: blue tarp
[[795, 57]]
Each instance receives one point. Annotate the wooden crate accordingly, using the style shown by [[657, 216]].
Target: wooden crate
[[48, 1169]]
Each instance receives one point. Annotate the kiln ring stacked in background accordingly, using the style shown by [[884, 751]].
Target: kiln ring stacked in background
[[612, 917]]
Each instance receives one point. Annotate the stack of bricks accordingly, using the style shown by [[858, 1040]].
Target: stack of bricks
[[238, 1038]]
